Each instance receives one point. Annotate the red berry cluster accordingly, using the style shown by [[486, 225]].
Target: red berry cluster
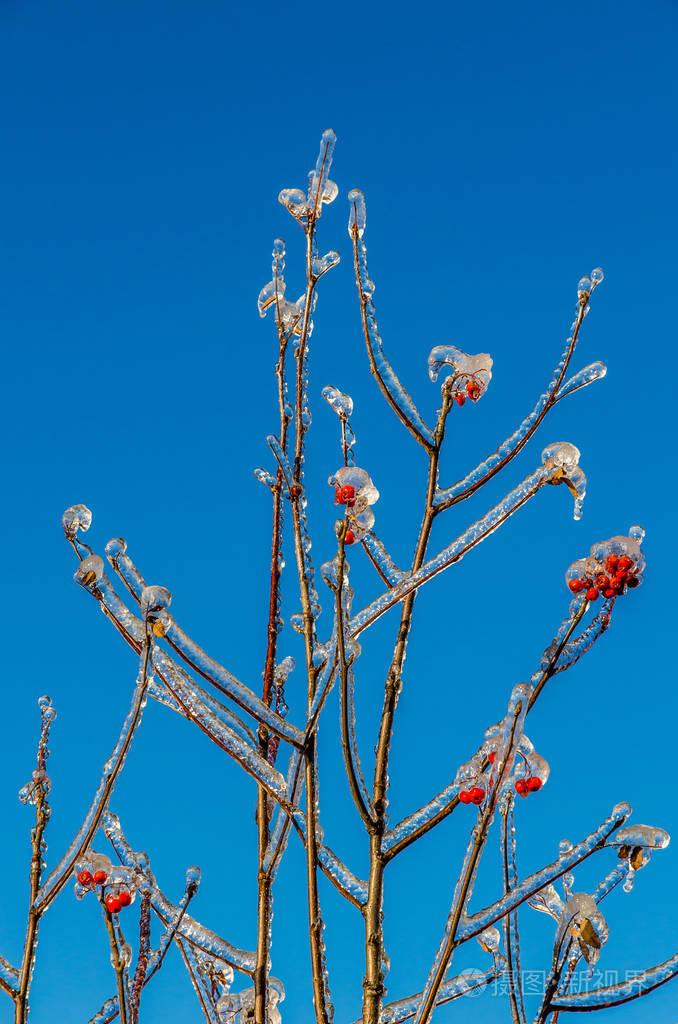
[[344, 495], [476, 795], [526, 786], [113, 903], [618, 575], [473, 390]]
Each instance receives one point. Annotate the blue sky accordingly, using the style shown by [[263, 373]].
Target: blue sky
[[504, 151]]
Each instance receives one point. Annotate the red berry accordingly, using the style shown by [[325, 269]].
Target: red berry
[[521, 787], [611, 563], [348, 495], [609, 592], [465, 797], [632, 582], [625, 562], [85, 878], [491, 756], [616, 583], [124, 898], [337, 495], [477, 795], [576, 586], [592, 594], [602, 582], [100, 877], [460, 398], [350, 537], [534, 784], [113, 904]]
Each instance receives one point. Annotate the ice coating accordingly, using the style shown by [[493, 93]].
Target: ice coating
[[576, 646], [365, 493], [563, 457], [396, 395], [155, 599], [584, 922], [464, 373], [77, 517], [649, 836], [320, 188]]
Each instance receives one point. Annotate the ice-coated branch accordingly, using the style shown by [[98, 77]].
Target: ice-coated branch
[[513, 444], [381, 560], [469, 981], [476, 923], [614, 995], [116, 962], [511, 937], [509, 737], [188, 929], [382, 371], [194, 656], [454, 551], [9, 978], [61, 873]]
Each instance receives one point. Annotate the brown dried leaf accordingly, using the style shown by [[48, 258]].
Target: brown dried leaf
[[637, 858]]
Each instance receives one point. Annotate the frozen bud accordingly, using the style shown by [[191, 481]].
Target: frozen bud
[[294, 200], [192, 880], [154, 599], [90, 570], [489, 940], [597, 276], [77, 517]]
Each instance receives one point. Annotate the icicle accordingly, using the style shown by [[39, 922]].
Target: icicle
[[396, 394], [189, 929], [343, 406], [265, 477], [320, 188], [108, 1011], [455, 551]]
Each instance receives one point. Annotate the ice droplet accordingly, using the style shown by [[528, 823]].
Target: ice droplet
[[77, 517], [597, 275], [321, 264]]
